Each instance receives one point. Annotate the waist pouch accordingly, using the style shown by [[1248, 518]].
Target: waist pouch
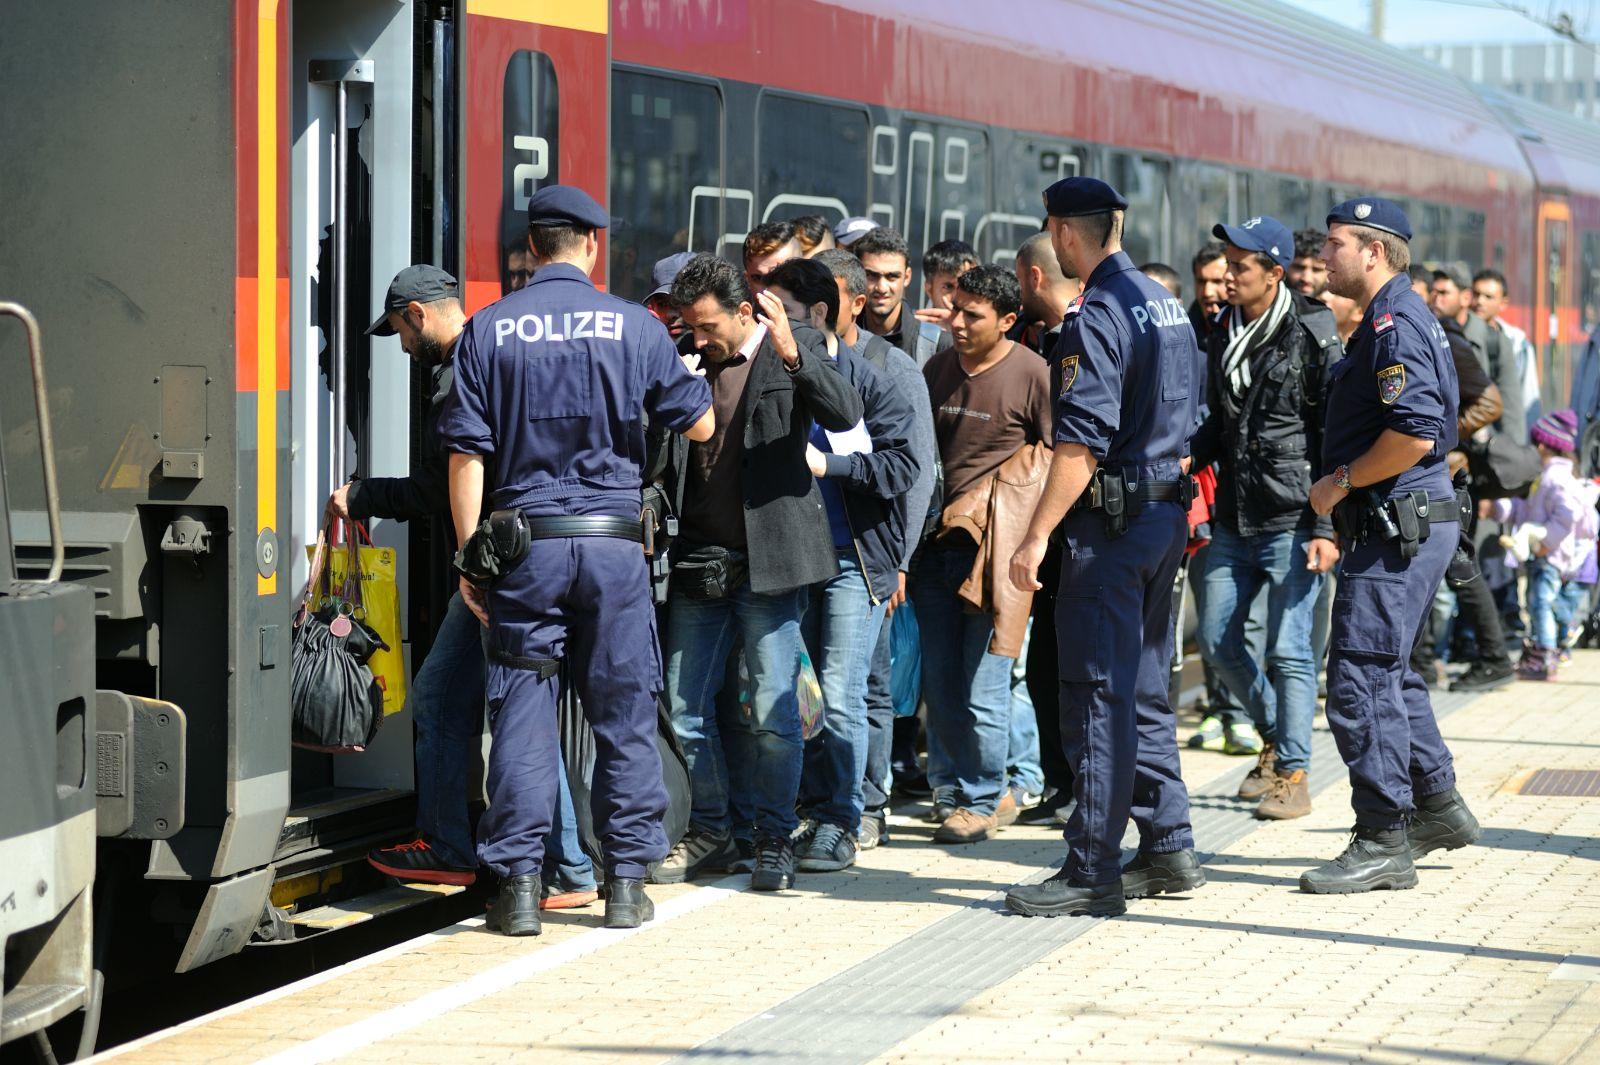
[[709, 572], [1406, 519], [498, 546]]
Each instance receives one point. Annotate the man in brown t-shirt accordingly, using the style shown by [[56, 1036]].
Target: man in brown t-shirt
[[991, 397]]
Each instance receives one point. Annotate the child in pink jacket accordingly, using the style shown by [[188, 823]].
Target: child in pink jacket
[[1562, 568]]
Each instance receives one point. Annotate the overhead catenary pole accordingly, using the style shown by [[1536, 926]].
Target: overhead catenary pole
[[1375, 19]]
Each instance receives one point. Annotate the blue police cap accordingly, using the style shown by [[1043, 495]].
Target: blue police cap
[[665, 272], [1075, 196], [1373, 213], [415, 284], [1262, 233], [564, 205]]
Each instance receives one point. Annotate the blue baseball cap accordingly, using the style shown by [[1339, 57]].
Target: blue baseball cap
[[1074, 196], [665, 272], [1262, 233], [1373, 213], [565, 205]]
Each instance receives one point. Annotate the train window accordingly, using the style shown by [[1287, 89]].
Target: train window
[[1143, 181], [812, 157], [1284, 198], [1467, 235], [1025, 166], [963, 185], [1207, 194], [1589, 282], [666, 174], [1430, 236], [532, 156]]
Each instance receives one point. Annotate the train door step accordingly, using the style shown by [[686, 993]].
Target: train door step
[[32, 1007], [363, 908]]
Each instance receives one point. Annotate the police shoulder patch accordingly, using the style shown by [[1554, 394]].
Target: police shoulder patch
[[1383, 323], [1069, 372], [1074, 307], [1391, 382]]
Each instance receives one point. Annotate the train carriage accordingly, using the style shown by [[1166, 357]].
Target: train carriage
[[205, 201]]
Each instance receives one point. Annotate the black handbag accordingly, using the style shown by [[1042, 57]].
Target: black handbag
[[336, 702], [1502, 467], [709, 572]]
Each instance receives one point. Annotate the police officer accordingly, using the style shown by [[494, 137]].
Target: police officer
[[1127, 402], [1391, 413], [553, 384]]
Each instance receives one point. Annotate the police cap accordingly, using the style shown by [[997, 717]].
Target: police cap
[[1075, 196], [1262, 233], [1373, 213], [566, 205], [665, 272], [414, 284]]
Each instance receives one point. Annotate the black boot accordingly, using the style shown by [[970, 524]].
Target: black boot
[[1161, 874], [1441, 822], [1061, 896], [1376, 858], [515, 911], [627, 906]]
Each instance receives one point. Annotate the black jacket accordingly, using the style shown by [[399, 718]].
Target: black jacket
[[786, 529], [426, 492], [872, 482], [1270, 454]]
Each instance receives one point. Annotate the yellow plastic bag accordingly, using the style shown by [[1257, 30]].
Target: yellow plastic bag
[[374, 596]]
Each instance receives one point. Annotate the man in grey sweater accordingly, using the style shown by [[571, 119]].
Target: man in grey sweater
[[904, 374]]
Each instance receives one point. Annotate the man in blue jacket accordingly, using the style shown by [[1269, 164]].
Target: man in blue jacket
[[860, 473]]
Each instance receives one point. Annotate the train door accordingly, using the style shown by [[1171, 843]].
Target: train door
[[535, 103], [350, 135], [1555, 325]]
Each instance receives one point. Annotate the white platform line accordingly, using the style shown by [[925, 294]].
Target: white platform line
[[325, 1048]]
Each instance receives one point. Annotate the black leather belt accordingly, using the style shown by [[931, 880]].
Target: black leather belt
[[545, 667], [557, 526], [1159, 492]]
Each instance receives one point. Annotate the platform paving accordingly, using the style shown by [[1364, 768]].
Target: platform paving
[[908, 958]]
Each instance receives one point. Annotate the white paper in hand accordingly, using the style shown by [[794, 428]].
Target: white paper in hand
[[853, 441]]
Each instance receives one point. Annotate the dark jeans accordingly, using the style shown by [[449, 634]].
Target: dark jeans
[[880, 728]]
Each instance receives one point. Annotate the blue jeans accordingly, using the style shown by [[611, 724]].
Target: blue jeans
[[1022, 759], [447, 706], [1282, 699], [700, 636], [841, 629], [1552, 602], [967, 689]]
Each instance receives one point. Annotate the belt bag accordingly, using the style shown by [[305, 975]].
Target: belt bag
[[710, 573], [1120, 495], [498, 546], [1405, 520]]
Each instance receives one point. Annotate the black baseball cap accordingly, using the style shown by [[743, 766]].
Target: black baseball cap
[[414, 284]]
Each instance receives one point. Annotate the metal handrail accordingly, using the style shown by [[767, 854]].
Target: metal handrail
[[47, 443]]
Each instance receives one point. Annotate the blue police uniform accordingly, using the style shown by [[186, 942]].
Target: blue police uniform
[[1126, 366], [1397, 374], [553, 386]]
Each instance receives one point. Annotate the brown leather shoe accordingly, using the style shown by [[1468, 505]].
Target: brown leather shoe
[[1290, 798], [964, 826], [1007, 810], [1258, 782]]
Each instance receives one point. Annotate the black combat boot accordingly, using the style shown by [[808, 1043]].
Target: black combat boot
[[627, 906], [1441, 822], [1161, 874], [1376, 858], [515, 911], [1061, 896]]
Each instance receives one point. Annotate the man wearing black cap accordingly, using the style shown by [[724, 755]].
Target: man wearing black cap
[[1391, 420], [1126, 404], [659, 302], [1268, 359], [422, 308], [552, 386]]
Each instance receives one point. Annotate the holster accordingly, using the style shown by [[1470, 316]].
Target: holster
[[1116, 501], [497, 547], [660, 529]]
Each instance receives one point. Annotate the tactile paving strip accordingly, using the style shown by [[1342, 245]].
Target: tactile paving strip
[[868, 1009], [1571, 783]]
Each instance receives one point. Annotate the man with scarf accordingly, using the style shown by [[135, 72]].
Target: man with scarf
[[1267, 360]]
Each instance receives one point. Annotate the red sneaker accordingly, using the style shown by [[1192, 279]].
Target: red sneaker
[[415, 860]]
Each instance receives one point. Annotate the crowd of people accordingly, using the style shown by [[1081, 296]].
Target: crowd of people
[[842, 626]]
